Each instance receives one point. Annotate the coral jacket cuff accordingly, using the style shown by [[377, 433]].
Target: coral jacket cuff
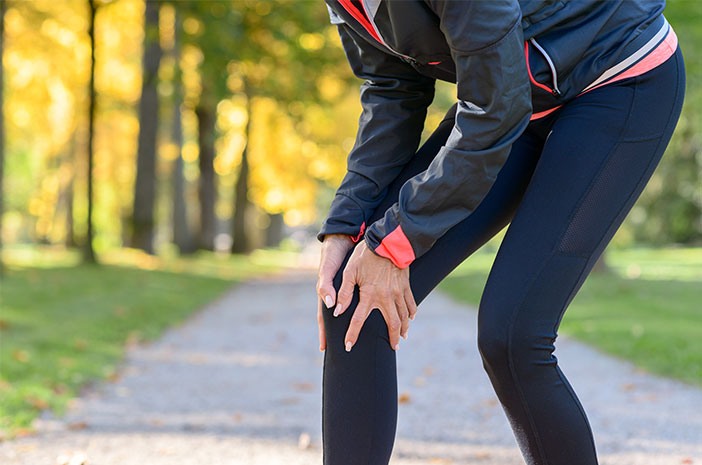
[[394, 245]]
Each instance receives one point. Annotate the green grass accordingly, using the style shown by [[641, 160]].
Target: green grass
[[646, 309], [63, 325]]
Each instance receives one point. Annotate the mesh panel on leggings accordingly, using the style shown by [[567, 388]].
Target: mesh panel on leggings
[[612, 188]]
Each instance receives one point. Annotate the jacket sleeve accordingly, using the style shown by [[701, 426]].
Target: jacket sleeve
[[394, 98], [494, 107]]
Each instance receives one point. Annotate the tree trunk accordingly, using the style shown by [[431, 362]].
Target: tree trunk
[[64, 209], [88, 252], [2, 126], [181, 232], [145, 185], [207, 189], [240, 241], [70, 240], [274, 231]]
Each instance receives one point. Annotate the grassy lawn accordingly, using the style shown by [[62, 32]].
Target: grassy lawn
[[63, 324], [646, 309]]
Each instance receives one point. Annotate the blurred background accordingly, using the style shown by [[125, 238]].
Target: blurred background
[[155, 153]]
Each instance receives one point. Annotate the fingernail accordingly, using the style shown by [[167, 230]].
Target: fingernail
[[404, 336], [397, 346], [412, 317], [337, 310], [348, 346], [328, 300]]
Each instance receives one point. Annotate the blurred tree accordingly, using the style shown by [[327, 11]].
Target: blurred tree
[[274, 230], [2, 126], [213, 28], [181, 230], [207, 186], [88, 252], [68, 191], [240, 240], [281, 35], [145, 185]]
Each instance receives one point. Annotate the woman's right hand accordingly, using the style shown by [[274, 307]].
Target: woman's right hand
[[334, 250]]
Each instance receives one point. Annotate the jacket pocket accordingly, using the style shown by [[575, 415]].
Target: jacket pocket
[[532, 46]]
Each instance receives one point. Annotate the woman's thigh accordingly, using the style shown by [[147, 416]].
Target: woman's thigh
[[602, 150]]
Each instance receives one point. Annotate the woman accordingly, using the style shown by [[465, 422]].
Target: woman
[[564, 111]]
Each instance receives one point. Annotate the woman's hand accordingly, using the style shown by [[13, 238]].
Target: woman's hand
[[334, 250], [381, 285]]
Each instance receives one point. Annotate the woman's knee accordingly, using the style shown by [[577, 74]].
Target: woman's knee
[[493, 334], [508, 341]]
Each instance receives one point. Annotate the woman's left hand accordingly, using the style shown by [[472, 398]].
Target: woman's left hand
[[382, 285]]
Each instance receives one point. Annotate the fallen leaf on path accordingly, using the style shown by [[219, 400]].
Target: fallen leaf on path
[[404, 398], [77, 425], [303, 386], [686, 461], [489, 403]]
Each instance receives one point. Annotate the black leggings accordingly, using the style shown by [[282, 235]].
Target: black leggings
[[568, 184]]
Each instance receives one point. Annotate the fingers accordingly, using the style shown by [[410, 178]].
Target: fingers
[[411, 304], [357, 319], [403, 314], [394, 323], [345, 295], [369, 300], [320, 325]]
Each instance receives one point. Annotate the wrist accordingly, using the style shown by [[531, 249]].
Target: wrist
[[341, 238]]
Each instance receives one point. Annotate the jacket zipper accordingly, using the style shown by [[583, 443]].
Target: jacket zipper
[[373, 30], [380, 37], [555, 91]]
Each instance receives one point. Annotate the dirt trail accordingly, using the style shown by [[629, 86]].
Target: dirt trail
[[240, 383]]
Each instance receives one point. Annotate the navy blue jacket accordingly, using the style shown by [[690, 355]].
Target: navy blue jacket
[[511, 61]]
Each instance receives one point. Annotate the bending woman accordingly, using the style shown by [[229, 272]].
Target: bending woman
[[564, 110]]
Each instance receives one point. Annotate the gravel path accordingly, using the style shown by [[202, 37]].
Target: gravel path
[[240, 383]]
